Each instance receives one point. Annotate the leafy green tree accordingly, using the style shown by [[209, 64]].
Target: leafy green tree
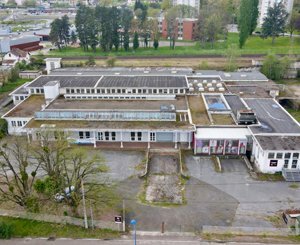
[[274, 67], [65, 29], [115, 17], [155, 43], [254, 15], [171, 19], [126, 40], [83, 18], [136, 41], [275, 21], [126, 17], [292, 23], [166, 4], [73, 37], [56, 33], [247, 20], [212, 23]]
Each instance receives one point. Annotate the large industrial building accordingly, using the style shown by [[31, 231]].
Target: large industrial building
[[211, 112]]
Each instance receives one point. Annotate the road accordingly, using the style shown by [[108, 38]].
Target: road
[[125, 241]]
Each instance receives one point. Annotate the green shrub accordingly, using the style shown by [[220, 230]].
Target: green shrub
[[3, 128], [6, 230], [91, 61], [111, 60], [40, 186], [32, 204]]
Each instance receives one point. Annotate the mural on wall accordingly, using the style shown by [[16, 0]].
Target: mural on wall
[[229, 147]]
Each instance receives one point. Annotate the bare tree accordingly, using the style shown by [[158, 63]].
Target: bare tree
[[17, 172], [78, 167]]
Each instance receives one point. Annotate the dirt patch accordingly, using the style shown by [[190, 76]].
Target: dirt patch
[[163, 164], [164, 185], [222, 119], [198, 110], [164, 188]]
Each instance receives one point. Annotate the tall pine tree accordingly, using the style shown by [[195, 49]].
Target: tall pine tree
[[247, 19], [275, 21]]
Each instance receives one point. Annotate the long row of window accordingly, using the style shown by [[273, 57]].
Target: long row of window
[[123, 91], [280, 155], [18, 123], [36, 90], [21, 97], [111, 136]]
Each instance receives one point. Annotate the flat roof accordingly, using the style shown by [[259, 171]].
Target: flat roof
[[69, 104], [66, 81], [145, 71], [279, 143], [235, 103], [84, 124], [242, 76], [272, 117], [143, 81], [28, 107], [222, 133]]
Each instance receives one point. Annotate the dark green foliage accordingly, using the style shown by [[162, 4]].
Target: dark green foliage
[[247, 20], [6, 230], [155, 44], [102, 25], [32, 204], [3, 128], [136, 41], [275, 21], [14, 74], [73, 37], [40, 186], [59, 33]]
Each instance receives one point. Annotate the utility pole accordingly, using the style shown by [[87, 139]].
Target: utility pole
[[124, 222], [84, 207]]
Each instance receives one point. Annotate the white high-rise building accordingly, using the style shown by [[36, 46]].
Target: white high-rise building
[[193, 3], [265, 4]]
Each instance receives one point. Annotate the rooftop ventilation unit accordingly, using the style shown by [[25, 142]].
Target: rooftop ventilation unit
[[246, 117]]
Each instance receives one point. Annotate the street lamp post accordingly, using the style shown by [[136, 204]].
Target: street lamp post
[[133, 223]]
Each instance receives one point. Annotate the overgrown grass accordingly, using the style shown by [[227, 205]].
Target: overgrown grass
[[10, 86], [254, 45], [32, 228], [294, 113], [270, 177]]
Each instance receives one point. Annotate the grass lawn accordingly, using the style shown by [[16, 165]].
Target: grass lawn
[[10, 86], [254, 45], [31, 228], [294, 113]]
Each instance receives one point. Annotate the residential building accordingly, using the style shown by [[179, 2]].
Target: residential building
[[185, 28], [265, 4], [14, 56]]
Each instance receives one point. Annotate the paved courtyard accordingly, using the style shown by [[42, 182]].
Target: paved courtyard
[[222, 199], [257, 199]]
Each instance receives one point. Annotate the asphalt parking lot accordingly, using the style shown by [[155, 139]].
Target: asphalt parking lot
[[257, 199]]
